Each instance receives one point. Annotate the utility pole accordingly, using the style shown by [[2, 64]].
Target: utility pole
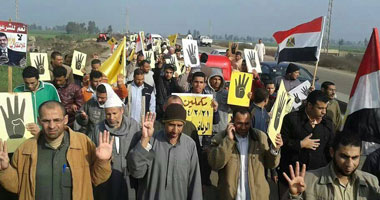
[[127, 20], [209, 27], [328, 27], [16, 10]]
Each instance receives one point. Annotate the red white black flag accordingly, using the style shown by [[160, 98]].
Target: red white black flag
[[363, 109], [301, 43]]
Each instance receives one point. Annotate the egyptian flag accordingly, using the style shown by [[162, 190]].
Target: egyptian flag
[[149, 44], [139, 45], [363, 109], [301, 43]]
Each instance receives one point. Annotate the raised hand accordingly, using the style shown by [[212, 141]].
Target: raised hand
[[231, 131], [191, 51], [39, 62], [104, 149], [14, 122], [305, 90], [296, 98], [78, 61], [278, 142], [240, 86], [147, 128], [4, 159], [281, 106], [234, 48], [33, 128], [297, 180]]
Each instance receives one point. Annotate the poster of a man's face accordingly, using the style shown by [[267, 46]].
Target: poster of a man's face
[[13, 39]]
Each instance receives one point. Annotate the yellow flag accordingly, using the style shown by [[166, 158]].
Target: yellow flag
[[173, 39], [111, 41], [115, 64], [130, 57]]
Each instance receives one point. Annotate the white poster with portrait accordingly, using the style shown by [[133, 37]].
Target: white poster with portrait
[[78, 63], [13, 43], [41, 62], [252, 60], [190, 53], [300, 93]]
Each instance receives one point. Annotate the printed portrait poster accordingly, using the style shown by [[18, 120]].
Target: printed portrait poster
[[240, 86], [149, 56], [16, 111], [252, 60], [190, 53], [13, 43], [199, 111], [174, 61], [300, 93], [40, 61], [78, 62], [278, 113]]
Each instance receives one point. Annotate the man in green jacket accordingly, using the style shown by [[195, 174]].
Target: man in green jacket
[[333, 109], [340, 179], [240, 154], [40, 91], [58, 163]]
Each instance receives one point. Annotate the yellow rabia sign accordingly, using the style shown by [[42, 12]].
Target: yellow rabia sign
[[199, 111], [16, 113], [278, 112], [173, 39], [240, 86], [115, 64]]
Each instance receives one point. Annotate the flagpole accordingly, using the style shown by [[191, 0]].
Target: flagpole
[[315, 73]]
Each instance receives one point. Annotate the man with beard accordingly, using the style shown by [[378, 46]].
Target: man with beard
[[307, 135], [125, 131], [56, 60], [92, 112], [166, 162], [166, 85], [69, 93], [291, 77], [333, 109], [340, 179]]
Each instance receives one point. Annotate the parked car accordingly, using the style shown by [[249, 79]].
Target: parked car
[[272, 70], [219, 52], [204, 41]]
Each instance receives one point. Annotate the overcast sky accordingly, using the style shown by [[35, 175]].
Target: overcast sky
[[351, 20]]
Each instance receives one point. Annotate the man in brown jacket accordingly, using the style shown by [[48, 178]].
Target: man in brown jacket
[[58, 163], [241, 154]]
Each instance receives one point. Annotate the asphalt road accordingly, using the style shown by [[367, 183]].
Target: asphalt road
[[342, 79]]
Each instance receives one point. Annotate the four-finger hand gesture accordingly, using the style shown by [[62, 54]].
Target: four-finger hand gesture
[[104, 149], [147, 128], [240, 86], [280, 107], [297, 180], [4, 159], [39, 62], [191, 52], [78, 62], [251, 58], [14, 122]]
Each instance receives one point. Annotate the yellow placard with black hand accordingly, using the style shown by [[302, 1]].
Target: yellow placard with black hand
[[240, 86], [111, 41]]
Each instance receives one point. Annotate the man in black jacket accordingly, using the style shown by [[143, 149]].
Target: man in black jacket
[[307, 136], [7, 55], [166, 84]]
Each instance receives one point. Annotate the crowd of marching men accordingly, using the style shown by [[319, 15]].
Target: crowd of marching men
[[131, 140]]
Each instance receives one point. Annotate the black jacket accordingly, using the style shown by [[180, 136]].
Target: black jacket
[[372, 164], [295, 128]]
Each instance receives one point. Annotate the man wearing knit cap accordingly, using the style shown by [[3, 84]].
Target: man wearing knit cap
[[126, 133], [166, 162], [291, 77]]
